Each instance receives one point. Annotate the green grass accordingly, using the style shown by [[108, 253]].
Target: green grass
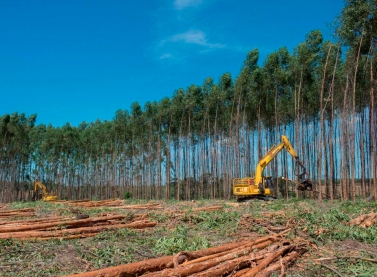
[[181, 239]]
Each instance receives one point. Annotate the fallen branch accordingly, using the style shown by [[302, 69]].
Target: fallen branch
[[346, 257], [332, 269]]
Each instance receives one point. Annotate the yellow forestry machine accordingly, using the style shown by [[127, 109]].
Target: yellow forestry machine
[[40, 191], [260, 187], [45, 195]]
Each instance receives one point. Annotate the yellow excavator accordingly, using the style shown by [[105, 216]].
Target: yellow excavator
[[40, 192], [260, 186]]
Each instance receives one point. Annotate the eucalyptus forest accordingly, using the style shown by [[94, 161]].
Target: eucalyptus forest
[[191, 145]]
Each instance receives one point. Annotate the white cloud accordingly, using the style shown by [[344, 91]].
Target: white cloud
[[194, 37], [165, 56], [182, 4]]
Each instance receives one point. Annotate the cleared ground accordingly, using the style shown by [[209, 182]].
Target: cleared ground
[[64, 238]]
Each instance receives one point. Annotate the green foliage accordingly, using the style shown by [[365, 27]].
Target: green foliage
[[8, 242], [127, 195], [109, 256], [218, 219], [180, 240], [117, 234], [159, 217], [358, 20]]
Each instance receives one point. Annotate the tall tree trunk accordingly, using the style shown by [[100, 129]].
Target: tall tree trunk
[[345, 143], [373, 129], [352, 137], [331, 151], [297, 121], [321, 142]]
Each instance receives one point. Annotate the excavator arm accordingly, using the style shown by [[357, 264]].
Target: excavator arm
[[39, 185], [271, 155], [304, 182]]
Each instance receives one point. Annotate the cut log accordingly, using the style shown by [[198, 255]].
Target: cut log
[[140, 207], [66, 224], [27, 235], [264, 263], [288, 259], [17, 213]]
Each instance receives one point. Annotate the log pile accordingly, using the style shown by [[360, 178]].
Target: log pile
[[259, 257], [111, 203], [149, 206], [67, 228], [94, 204], [364, 220], [17, 213]]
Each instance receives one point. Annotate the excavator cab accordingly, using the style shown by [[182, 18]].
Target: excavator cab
[[268, 182], [246, 188]]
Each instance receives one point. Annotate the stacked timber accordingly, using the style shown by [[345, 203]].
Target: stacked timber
[[17, 213], [67, 228], [94, 204], [149, 206], [111, 203]]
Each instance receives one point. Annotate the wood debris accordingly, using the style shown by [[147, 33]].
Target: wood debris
[[207, 209], [249, 221], [364, 220], [274, 214]]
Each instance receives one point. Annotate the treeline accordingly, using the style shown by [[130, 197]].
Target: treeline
[[191, 145]]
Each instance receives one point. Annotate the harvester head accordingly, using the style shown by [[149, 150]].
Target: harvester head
[[305, 185]]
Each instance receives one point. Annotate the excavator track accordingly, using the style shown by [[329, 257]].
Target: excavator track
[[255, 198]]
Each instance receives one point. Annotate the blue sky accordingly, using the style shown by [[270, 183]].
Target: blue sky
[[74, 61]]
